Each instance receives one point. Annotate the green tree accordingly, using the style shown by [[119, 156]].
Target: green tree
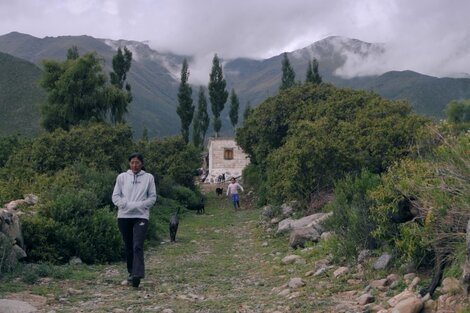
[[247, 111], [288, 74], [77, 91], [313, 76], [121, 66], [72, 53], [201, 119], [217, 93], [458, 111], [234, 104], [185, 108]]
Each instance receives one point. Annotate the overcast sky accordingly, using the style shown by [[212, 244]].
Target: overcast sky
[[428, 36]]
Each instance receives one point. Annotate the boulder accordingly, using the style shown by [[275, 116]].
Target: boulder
[[296, 282], [291, 259], [383, 261], [288, 208], [302, 235], [409, 305], [341, 271], [10, 226]]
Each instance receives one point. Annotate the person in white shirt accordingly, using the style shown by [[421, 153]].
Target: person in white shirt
[[233, 190], [134, 194]]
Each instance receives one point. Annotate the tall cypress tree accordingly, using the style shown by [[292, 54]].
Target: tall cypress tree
[[185, 108], [247, 111], [288, 74], [313, 76], [201, 119], [121, 66], [234, 104], [217, 93]]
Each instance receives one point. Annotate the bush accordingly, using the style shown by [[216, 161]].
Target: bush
[[351, 219], [307, 137]]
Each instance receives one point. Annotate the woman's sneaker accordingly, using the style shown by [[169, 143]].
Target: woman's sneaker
[[135, 282]]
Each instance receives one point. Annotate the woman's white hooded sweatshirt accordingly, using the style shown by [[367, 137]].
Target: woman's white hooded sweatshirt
[[134, 194]]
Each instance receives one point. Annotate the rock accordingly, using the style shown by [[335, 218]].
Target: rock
[[309, 273], [450, 285], [429, 306], [264, 244], [409, 305], [284, 225], [300, 236], [400, 297], [296, 282], [31, 199], [409, 277], [414, 283], [287, 208], [15, 306], [379, 283], [341, 271], [383, 261], [275, 220], [365, 299], [393, 278], [291, 259], [167, 311], [74, 292], [75, 261], [320, 271], [284, 292], [326, 235], [363, 254]]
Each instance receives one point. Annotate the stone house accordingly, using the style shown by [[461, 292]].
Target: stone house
[[225, 158]]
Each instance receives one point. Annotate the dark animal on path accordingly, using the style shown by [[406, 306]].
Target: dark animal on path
[[174, 221], [199, 207], [219, 191]]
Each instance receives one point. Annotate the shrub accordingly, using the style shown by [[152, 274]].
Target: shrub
[[351, 219]]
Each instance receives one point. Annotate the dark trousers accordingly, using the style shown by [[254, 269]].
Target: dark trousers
[[133, 232]]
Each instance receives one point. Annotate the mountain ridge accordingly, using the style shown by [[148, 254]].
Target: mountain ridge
[[154, 75]]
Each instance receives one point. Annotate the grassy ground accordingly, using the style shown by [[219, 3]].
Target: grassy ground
[[223, 261]]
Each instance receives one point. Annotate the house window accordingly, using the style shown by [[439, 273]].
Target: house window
[[228, 154]]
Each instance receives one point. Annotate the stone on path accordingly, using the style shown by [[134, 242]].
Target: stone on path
[[365, 299], [15, 306], [296, 282], [291, 259], [341, 271]]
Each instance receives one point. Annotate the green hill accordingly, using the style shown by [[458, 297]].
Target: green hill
[[20, 96]]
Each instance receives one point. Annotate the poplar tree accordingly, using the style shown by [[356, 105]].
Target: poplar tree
[[288, 74], [201, 119], [234, 104], [247, 111], [185, 108], [121, 66], [217, 93], [313, 76]]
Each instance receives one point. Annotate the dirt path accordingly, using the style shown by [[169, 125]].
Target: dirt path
[[222, 262]]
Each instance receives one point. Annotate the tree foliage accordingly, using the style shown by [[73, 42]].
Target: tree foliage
[[121, 66], [201, 119], [217, 93], [306, 138], [185, 107], [288, 74], [234, 105], [313, 76], [77, 91]]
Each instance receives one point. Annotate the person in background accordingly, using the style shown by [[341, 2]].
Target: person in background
[[233, 190], [134, 194]]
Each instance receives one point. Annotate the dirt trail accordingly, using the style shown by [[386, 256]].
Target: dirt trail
[[222, 262]]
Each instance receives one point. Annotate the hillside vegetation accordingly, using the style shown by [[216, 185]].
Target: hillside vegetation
[[20, 96]]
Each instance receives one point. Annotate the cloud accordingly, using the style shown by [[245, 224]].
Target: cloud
[[430, 36]]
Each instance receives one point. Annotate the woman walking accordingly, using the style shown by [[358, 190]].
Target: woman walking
[[233, 190], [134, 194]]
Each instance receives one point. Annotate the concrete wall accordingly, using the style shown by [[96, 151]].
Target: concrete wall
[[219, 165]]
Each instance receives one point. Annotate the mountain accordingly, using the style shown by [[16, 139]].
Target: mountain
[[154, 86], [154, 76], [257, 79], [20, 96]]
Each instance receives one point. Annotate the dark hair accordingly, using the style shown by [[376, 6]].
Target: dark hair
[[136, 155]]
